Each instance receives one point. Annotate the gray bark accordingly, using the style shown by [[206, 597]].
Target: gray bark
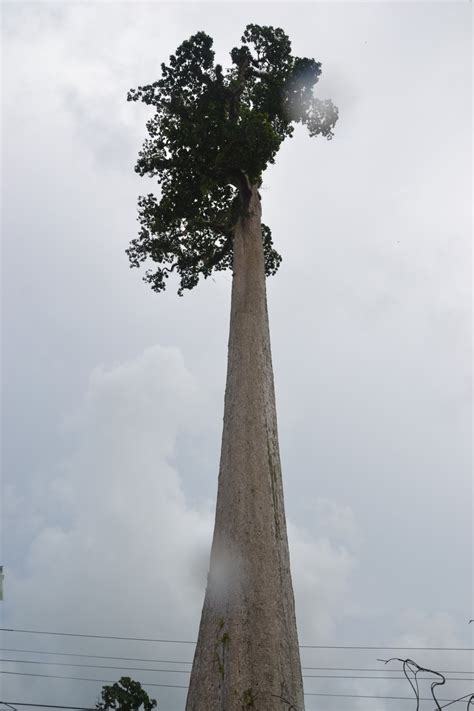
[[247, 652]]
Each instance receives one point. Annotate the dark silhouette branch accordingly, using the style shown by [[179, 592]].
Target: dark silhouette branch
[[409, 666], [291, 707]]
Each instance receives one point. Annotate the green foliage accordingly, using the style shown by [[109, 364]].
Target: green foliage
[[125, 695], [211, 137]]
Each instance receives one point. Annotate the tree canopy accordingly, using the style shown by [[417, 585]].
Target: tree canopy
[[125, 695], [212, 135]]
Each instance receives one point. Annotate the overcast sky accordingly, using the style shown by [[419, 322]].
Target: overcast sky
[[113, 395]]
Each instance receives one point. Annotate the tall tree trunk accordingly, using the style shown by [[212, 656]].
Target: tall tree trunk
[[247, 653]]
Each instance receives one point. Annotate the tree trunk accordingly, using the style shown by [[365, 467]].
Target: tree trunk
[[247, 652]]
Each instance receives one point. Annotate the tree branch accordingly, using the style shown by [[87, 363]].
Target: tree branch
[[215, 226], [261, 75], [220, 253], [240, 85]]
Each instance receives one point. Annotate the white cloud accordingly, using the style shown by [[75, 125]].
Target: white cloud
[[131, 557], [117, 548], [335, 520], [122, 491], [321, 576]]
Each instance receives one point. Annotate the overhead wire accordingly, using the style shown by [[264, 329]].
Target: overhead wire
[[170, 661], [183, 641], [188, 671], [81, 678], [176, 686], [47, 706], [97, 666], [97, 636], [96, 656], [375, 696]]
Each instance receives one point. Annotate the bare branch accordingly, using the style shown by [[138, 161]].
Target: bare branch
[[291, 707], [409, 666]]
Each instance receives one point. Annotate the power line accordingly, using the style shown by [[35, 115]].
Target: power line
[[188, 671], [178, 686], [99, 666], [361, 696], [46, 706], [416, 649], [385, 678], [173, 686], [183, 641], [99, 656], [169, 661], [80, 678], [363, 669], [99, 636]]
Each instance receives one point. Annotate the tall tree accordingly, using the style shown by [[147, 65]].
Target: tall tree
[[211, 137]]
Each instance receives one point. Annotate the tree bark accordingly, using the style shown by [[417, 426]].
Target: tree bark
[[247, 653]]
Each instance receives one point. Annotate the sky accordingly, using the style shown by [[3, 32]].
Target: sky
[[113, 396]]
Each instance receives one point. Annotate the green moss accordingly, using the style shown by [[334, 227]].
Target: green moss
[[220, 648], [248, 699], [220, 665], [274, 485]]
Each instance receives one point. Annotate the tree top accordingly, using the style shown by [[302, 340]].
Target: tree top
[[212, 135]]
